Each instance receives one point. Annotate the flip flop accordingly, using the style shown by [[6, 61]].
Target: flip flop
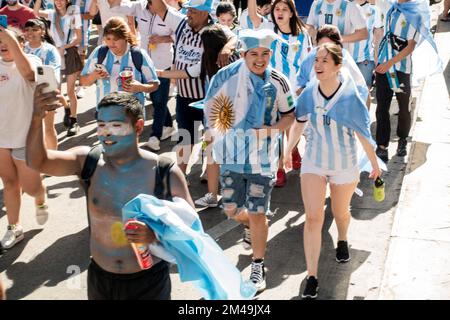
[[446, 19]]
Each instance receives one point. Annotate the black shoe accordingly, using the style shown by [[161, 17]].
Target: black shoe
[[342, 254], [382, 154], [401, 148], [66, 119], [311, 289], [74, 128]]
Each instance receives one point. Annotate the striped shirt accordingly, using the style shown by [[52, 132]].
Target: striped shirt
[[246, 23], [188, 52], [262, 158], [84, 6], [397, 25], [287, 57], [49, 56], [115, 65], [347, 16], [69, 22], [329, 145], [364, 50]]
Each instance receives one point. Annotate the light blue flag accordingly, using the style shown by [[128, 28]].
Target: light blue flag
[[198, 257]]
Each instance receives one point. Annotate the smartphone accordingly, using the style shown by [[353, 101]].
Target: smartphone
[[3, 21], [100, 67], [46, 74]]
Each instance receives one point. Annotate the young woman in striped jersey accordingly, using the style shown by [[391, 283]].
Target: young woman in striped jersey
[[42, 45], [337, 116], [287, 55]]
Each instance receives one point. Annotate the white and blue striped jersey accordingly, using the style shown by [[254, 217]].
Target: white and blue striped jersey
[[246, 23], [397, 25], [328, 145], [364, 50], [262, 158], [346, 15], [288, 56], [115, 65], [49, 56], [69, 22], [84, 6]]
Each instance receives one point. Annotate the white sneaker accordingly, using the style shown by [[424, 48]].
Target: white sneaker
[[153, 143], [80, 92], [13, 235], [167, 133], [41, 214], [208, 200]]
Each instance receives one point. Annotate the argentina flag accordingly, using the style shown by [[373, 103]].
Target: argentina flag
[[181, 238]]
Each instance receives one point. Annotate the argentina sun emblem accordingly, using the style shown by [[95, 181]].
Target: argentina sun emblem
[[222, 114]]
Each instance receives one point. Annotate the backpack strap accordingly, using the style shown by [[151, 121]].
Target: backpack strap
[[138, 59], [90, 164], [162, 178], [102, 52]]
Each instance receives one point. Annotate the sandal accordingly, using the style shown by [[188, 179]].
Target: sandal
[[445, 19]]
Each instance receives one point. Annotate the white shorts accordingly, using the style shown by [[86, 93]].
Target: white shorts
[[346, 176]]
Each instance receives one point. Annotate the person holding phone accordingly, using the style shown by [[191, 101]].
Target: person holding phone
[[17, 76], [41, 44], [119, 54], [17, 13]]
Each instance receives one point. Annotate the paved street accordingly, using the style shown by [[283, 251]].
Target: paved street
[[51, 262]]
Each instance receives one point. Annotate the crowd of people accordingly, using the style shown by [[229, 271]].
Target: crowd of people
[[255, 75]]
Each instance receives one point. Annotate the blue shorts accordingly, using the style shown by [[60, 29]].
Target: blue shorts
[[366, 68], [250, 191]]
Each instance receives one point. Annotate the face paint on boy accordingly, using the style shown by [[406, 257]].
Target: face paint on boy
[[114, 128]]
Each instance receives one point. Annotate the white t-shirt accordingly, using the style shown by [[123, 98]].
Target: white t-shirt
[[151, 24], [16, 107], [107, 12]]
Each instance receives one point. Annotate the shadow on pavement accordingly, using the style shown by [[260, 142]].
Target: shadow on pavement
[[50, 266], [74, 184], [11, 255]]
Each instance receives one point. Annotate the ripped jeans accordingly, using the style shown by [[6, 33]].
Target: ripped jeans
[[244, 190]]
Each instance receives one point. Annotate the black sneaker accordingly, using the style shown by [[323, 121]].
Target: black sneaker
[[258, 275], [342, 253], [401, 148], [74, 128], [382, 154], [66, 119], [311, 289]]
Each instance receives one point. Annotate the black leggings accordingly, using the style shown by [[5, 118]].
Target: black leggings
[[151, 284], [384, 99]]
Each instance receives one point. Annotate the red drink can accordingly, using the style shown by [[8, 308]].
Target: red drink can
[[141, 250]]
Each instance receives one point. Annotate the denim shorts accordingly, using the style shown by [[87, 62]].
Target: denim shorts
[[366, 68], [250, 191]]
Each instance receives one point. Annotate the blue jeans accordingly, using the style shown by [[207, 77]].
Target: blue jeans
[[245, 190], [161, 113]]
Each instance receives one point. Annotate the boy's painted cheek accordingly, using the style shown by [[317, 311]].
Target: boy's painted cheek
[[113, 129]]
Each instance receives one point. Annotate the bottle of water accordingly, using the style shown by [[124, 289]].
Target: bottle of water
[[378, 190]]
